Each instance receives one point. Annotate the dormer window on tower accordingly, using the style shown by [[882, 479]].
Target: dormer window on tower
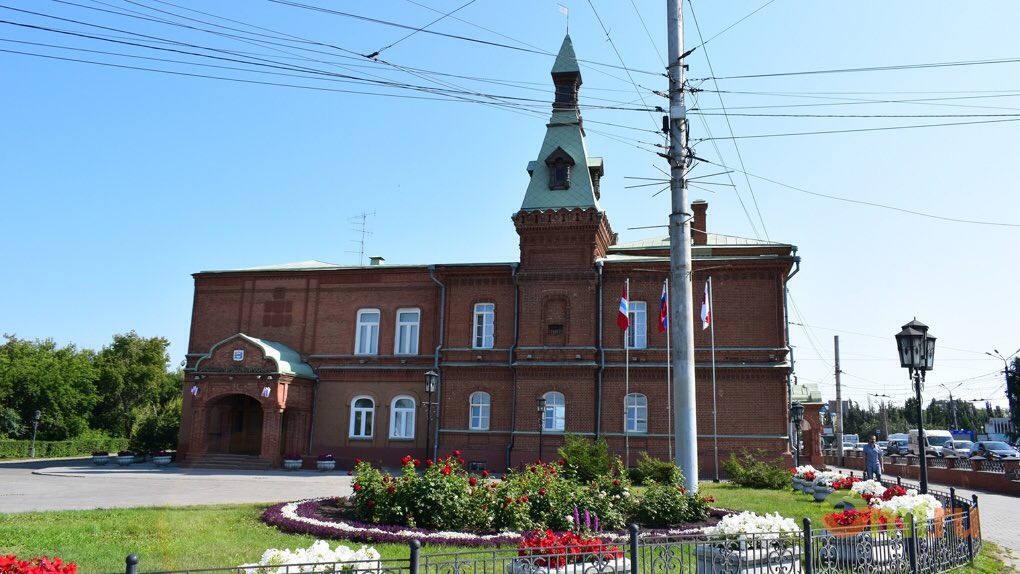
[[559, 163]]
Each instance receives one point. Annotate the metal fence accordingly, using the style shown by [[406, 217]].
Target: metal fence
[[950, 540]]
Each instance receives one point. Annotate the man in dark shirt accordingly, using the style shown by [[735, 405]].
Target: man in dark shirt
[[872, 460]]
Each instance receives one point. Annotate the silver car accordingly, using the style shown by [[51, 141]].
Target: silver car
[[958, 448]]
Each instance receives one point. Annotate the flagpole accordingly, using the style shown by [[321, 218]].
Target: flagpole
[[626, 381], [669, 385], [715, 418]]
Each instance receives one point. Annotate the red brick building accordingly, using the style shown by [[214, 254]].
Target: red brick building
[[315, 358]]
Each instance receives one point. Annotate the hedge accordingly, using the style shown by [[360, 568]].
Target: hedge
[[60, 448]]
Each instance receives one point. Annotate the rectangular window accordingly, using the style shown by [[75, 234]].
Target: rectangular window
[[637, 334], [367, 336], [407, 332], [484, 329]]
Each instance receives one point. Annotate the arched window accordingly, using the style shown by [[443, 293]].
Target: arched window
[[362, 417], [555, 418], [402, 418], [480, 403], [637, 413]]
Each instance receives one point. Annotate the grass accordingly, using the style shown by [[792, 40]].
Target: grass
[[172, 538]]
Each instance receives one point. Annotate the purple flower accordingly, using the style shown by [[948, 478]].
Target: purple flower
[[577, 518], [596, 520], [587, 519]]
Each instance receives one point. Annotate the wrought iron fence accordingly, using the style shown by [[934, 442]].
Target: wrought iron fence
[[886, 546]]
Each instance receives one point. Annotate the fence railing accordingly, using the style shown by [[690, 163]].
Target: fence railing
[[888, 546]]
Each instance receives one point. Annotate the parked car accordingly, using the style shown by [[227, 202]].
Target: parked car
[[993, 449], [958, 448], [896, 447], [859, 447]]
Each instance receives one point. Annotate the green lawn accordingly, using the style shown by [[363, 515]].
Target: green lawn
[[228, 535]]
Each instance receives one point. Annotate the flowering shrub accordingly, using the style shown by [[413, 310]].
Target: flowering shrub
[[867, 489], [827, 478], [750, 530], [922, 507], [754, 470], [665, 504], [318, 558], [853, 521], [557, 550], [326, 457], [809, 475], [41, 565], [845, 483], [800, 471]]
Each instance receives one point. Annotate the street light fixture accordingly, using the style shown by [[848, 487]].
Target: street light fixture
[[35, 427], [952, 403], [916, 349], [431, 383], [1005, 373], [540, 408], [797, 417]]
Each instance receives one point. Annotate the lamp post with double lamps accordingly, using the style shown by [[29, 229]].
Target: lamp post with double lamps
[[431, 382], [1005, 372], [797, 417], [540, 407], [916, 349]]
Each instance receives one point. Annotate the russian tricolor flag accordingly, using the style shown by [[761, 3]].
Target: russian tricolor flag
[[623, 318], [664, 308]]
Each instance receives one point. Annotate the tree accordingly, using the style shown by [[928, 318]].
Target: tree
[[132, 374], [1013, 391], [57, 381]]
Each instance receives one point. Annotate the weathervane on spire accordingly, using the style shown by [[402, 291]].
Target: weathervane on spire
[[566, 12]]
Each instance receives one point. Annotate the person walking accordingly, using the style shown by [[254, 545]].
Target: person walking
[[872, 460]]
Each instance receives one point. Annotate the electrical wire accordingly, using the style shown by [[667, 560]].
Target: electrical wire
[[874, 68], [443, 17], [727, 28]]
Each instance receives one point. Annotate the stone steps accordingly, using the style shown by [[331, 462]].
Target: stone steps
[[226, 462]]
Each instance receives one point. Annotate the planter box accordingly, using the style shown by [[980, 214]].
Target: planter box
[[291, 464], [798, 483], [526, 566], [821, 492], [125, 460], [715, 560], [325, 465], [161, 460], [862, 550], [100, 460]]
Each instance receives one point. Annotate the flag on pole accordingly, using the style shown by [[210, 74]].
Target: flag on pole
[[663, 309], [623, 318], [564, 10], [706, 308]]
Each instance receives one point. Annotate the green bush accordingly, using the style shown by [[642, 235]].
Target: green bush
[[157, 430], [659, 471], [83, 444], [585, 460], [754, 471], [667, 505]]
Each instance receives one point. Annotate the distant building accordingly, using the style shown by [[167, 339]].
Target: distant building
[[311, 358], [1000, 427]]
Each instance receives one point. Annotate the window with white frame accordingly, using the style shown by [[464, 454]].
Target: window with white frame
[[555, 418], [366, 338], [406, 339], [362, 417], [402, 418], [484, 328], [637, 413], [480, 404], [637, 334]]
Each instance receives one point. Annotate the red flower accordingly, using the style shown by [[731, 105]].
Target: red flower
[[416, 463], [485, 474], [406, 460], [460, 461], [357, 488], [552, 470], [472, 481], [508, 500], [709, 498], [522, 499], [456, 453], [386, 479], [428, 462], [446, 470], [370, 503], [541, 492], [391, 489], [617, 482], [562, 462], [357, 461]]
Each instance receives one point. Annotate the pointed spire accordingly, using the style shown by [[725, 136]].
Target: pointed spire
[[566, 61]]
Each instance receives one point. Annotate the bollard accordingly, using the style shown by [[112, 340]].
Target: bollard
[[809, 564], [415, 556], [912, 545], [633, 548], [131, 564]]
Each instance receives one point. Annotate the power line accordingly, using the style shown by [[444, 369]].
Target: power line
[[874, 68], [655, 47], [856, 115], [413, 32], [856, 130], [726, 29]]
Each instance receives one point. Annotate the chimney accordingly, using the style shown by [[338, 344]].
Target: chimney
[[376, 260], [699, 227]]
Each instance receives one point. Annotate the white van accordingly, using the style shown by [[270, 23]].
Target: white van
[[936, 439]]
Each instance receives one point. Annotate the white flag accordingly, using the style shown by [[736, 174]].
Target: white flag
[[564, 10], [706, 308]]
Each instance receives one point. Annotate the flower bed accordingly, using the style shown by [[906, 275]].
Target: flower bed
[[10, 564], [316, 558]]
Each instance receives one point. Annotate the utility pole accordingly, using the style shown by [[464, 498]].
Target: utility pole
[[839, 404], [681, 320]]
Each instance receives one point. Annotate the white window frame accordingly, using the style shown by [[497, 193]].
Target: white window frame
[[636, 406], [483, 341], [367, 416], [402, 419], [373, 328], [412, 334], [482, 401], [555, 417], [637, 334]]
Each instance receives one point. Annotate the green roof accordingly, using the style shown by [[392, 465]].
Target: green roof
[[288, 361], [566, 61], [805, 393]]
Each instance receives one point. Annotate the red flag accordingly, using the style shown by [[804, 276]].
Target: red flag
[[706, 307], [663, 309], [623, 318]]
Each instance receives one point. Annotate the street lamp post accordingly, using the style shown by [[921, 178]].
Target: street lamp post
[[916, 349], [431, 382], [35, 427], [797, 417], [540, 407], [1005, 373]]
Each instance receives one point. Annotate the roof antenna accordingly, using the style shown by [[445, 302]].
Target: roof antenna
[[360, 222], [566, 12]]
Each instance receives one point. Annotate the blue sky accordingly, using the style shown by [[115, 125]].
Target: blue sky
[[119, 183]]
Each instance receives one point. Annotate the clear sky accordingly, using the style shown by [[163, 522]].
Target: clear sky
[[119, 183]]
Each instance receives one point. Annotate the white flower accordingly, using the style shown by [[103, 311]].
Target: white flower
[[570, 519], [872, 487]]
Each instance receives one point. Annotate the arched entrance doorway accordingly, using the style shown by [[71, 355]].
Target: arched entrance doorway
[[234, 425]]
